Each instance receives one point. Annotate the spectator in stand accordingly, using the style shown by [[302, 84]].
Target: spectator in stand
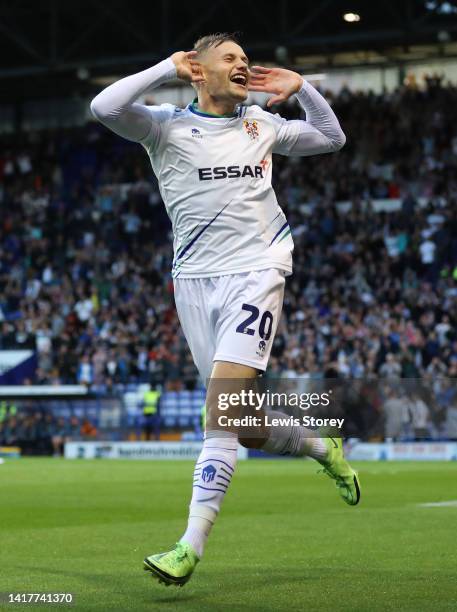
[[419, 415], [59, 437], [85, 374], [88, 430], [396, 414], [390, 368]]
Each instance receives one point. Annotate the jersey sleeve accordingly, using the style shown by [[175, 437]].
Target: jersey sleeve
[[319, 133], [159, 118], [116, 105], [287, 134]]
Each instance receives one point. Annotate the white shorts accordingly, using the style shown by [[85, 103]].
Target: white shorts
[[230, 318]]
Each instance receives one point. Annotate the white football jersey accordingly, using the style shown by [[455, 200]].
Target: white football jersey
[[214, 176]]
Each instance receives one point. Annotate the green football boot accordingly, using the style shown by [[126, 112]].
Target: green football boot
[[173, 567], [337, 468]]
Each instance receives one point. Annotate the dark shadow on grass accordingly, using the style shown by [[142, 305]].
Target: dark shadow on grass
[[71, 573], [178, 598], [161, 594]]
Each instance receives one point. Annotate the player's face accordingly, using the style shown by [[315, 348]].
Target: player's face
[[226, 72]]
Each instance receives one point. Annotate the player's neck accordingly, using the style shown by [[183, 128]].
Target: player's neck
[[215, 107]]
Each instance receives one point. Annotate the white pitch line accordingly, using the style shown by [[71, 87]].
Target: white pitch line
[[443, 504]]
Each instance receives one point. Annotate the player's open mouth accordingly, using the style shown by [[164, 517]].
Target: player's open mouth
[[239, 79]]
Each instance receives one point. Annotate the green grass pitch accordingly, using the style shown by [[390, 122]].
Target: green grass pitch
[[284, 540]]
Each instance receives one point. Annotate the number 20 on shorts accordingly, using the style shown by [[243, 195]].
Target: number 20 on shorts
[[265, 324]]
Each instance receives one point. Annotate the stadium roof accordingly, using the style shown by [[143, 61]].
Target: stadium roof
[[54, 44]]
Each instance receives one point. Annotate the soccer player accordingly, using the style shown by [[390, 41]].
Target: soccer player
[[232, 244]]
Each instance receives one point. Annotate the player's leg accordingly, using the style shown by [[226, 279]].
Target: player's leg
[[245, 332], [213, 473], [298, 441], [199, 304], [191, 298], [217, 461]]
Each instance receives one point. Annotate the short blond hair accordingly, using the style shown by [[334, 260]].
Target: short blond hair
[[214, 40]]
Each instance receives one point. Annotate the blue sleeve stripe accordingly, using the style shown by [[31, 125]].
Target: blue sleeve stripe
[[285, 235], [279, 232]]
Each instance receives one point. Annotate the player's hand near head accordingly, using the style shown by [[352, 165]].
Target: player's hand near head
[[187, 67], [284, 83]]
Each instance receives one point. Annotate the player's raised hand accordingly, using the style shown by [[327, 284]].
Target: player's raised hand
[[284, 83], [187, 67]]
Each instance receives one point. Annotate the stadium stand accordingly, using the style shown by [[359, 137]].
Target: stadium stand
[[85, 251]]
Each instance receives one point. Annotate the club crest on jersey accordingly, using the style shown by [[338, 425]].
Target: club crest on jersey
[[252, 129], [196, 133]]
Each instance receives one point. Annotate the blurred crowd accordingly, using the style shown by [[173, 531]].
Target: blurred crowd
[[404, 409], [86, 251], [41, 432]]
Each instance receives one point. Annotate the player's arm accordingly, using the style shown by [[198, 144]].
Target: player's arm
[[320, 133], [115, 106]]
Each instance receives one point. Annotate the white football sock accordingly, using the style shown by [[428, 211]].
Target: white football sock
[[293, 440], [212, 475]]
